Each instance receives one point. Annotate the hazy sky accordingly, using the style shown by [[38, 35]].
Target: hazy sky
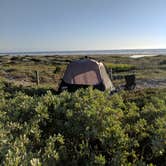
[[47, 25]]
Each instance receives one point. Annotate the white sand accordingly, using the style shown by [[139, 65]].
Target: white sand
[[140, 56]]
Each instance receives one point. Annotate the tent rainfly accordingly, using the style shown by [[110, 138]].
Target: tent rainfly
[[86, 72]]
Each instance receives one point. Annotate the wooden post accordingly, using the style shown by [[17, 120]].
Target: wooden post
[[37, 77], [111, 74]]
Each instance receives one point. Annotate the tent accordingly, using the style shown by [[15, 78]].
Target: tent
[[86, 72]]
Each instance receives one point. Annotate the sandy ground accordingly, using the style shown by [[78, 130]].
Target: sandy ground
[[140, 56], [151, 83]]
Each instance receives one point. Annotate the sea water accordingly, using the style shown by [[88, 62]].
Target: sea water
[[94, 52]]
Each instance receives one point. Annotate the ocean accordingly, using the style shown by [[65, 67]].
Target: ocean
[[94, 52]]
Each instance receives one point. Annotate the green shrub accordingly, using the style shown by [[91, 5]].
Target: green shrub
[[163, 62], [119, 67], [87, 127], [57, 70]]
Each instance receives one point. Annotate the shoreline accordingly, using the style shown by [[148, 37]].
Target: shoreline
[[128, 52]]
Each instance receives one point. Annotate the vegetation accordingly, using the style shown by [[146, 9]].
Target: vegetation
[[21, 69], [88, 127], [119, 67]]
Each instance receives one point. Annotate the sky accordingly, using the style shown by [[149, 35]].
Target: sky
[[58, 25]]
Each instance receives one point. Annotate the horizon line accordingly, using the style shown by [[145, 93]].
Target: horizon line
[[123, 49]]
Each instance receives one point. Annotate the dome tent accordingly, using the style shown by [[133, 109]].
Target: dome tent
[[86, 72]]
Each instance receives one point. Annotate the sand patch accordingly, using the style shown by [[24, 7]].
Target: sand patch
[[140, 56]]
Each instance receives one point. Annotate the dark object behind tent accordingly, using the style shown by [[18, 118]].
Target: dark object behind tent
[[130, 82]]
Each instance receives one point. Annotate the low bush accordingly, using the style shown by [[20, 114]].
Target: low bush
[[87, 127], [162, 62], [119, 67], [57, 70]]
